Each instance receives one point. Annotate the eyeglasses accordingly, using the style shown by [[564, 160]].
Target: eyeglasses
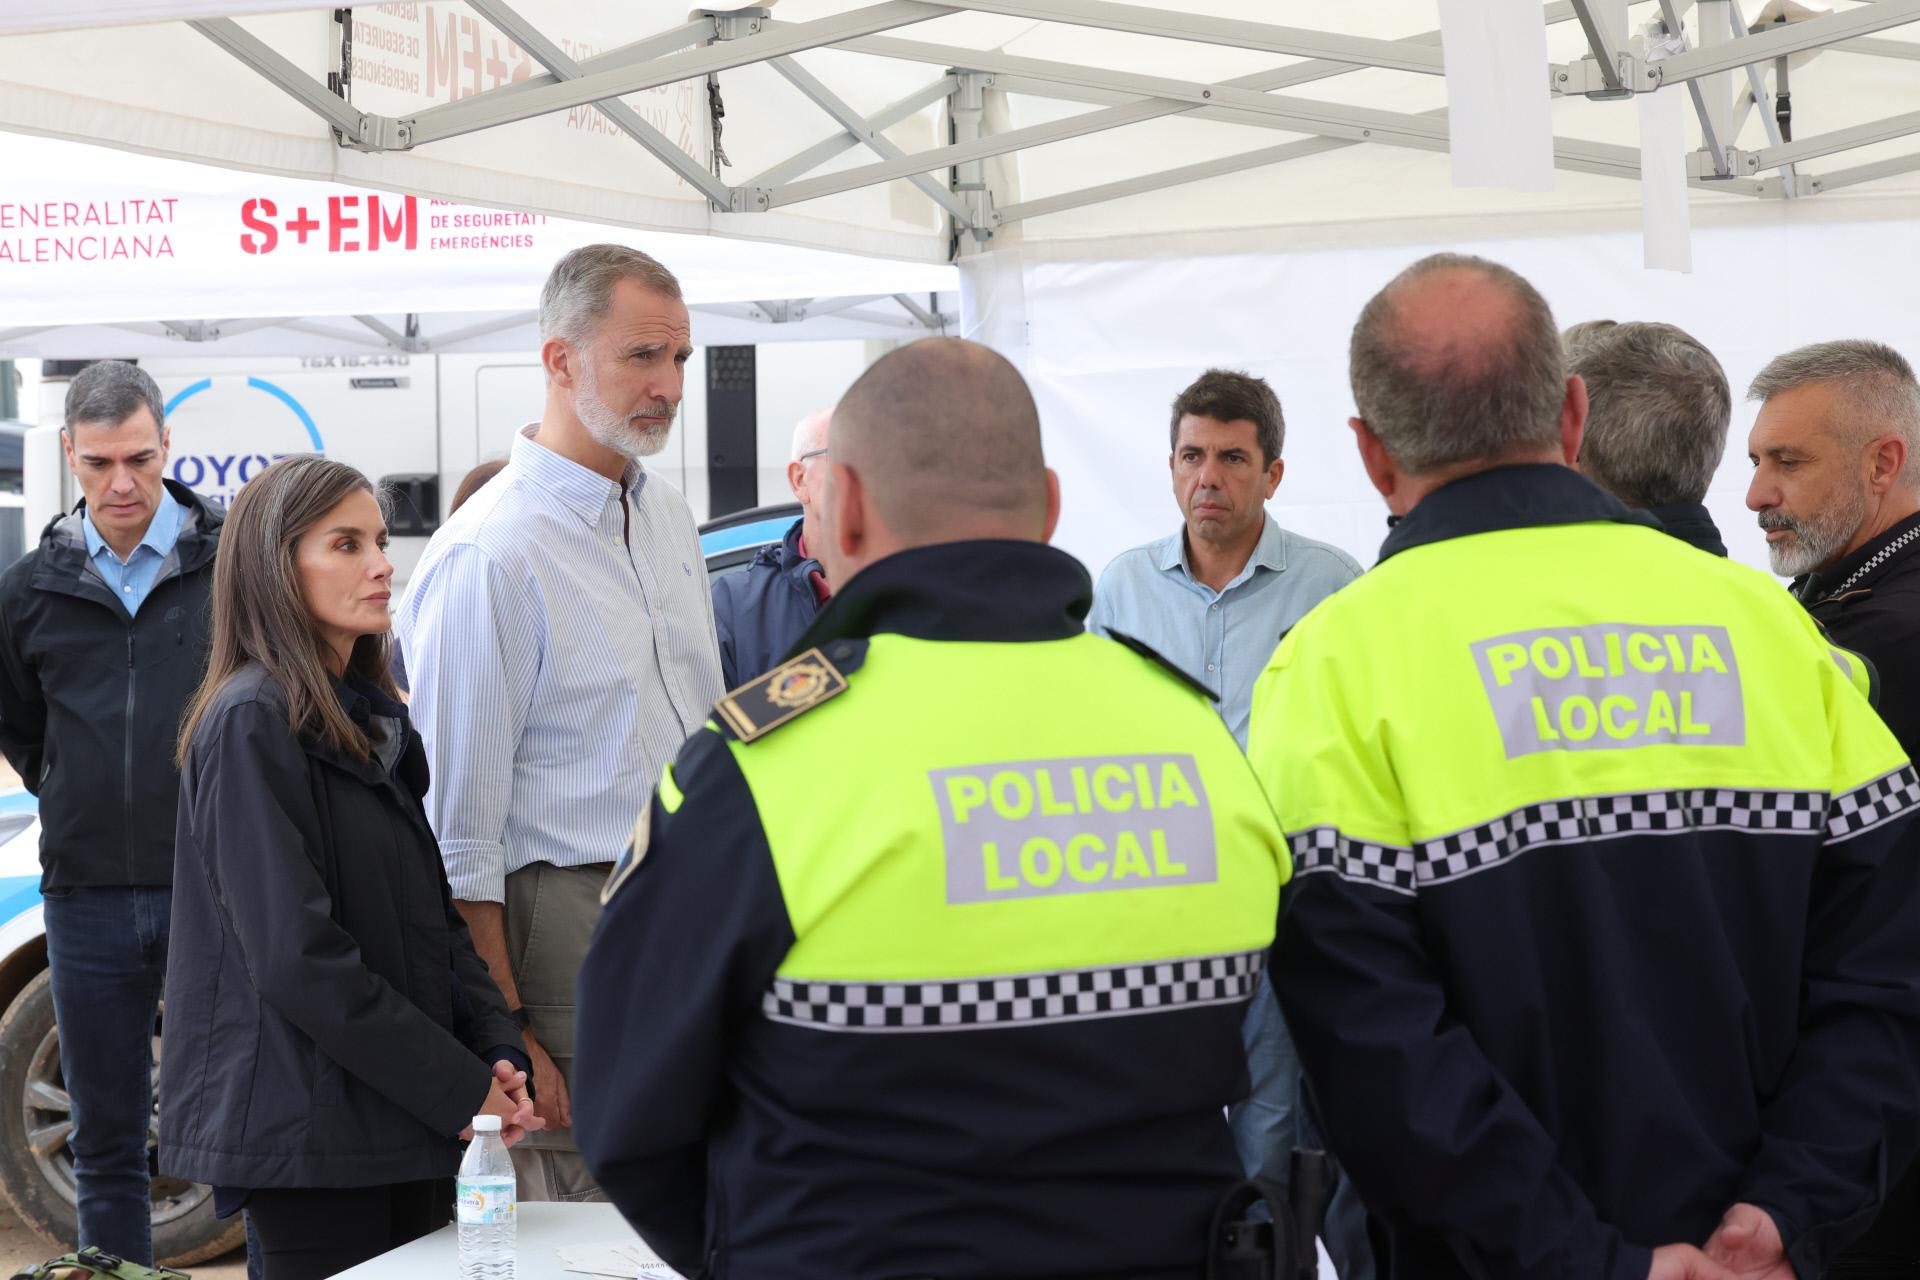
[[811, 453]]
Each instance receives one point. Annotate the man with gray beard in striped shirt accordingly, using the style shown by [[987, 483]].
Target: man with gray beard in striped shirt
[[560, 638]]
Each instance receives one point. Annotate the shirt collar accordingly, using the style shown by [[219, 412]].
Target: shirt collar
[[582, 490], [1812, 587], [1269, 553], [1511, 497], [1693, 524], [987, 590], [163, 531]]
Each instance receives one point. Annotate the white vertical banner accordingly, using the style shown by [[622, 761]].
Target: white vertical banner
[[1499, 111], [1665, 228]]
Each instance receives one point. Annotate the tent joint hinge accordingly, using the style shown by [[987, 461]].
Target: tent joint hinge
[[380, 133], [1585, 78], [749, 199], [734, 24], [1740, 164], [1775, 188]]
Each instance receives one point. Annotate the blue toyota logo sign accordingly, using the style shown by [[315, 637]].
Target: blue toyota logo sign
[[219, 472]]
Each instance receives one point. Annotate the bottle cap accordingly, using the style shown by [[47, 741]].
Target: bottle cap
[[486, 1124]]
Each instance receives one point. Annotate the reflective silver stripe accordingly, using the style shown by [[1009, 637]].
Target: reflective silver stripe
[[1864, 808], [1593, 818], [1654, 813], [1385, 866], [968, 1004]]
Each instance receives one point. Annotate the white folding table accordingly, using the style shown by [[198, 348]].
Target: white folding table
[[544, 1230]]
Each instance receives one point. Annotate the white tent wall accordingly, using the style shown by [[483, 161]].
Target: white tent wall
[[1108, 341]]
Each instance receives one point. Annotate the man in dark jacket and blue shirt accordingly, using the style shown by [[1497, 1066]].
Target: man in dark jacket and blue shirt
[[103, 639], [760, 611]]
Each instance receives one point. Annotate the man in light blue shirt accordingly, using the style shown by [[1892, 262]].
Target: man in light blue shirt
[[131, 579], [560, 644], [1214, 598]]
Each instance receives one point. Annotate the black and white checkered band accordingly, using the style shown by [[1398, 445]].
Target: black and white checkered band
[[1591, 818], [1327, 849], [1605, 817], [1865, 808], [1069, 995]]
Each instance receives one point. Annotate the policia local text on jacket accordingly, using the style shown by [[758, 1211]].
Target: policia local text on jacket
[[1605, 919], [326, 1012], [943, 976], [90, 698]]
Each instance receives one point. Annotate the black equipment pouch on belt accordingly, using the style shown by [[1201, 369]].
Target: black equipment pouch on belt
[[92, 1264], [1240, 1248]]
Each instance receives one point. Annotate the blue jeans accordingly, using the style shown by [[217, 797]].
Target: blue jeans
[[256, 1261], [107, 948], [1264, 1127]]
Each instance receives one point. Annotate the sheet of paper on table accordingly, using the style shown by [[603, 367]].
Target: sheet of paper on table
[[619, 1259]]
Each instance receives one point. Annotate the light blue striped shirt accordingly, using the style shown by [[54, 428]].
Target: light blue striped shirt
[[1221, 638], [556, 666]]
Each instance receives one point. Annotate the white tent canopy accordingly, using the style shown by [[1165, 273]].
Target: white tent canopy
[[109, 253], [890, 128], [1132, 192]]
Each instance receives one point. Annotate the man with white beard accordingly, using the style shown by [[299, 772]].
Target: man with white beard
[[560, 639], [1836, 456]]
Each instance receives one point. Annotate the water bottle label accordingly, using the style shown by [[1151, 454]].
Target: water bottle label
[[484, 1202]]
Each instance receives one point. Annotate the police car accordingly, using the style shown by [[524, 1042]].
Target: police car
[[36, 1165]]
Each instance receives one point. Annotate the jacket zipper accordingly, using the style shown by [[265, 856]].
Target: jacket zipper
[[127, 825]]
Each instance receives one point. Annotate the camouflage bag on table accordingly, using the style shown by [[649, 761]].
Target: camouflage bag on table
[[92, 1264]]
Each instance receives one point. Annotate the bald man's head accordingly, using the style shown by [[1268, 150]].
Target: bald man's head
[[945, 438], [1457, 360]]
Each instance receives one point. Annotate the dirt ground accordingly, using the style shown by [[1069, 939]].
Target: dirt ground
[[20, 1247]]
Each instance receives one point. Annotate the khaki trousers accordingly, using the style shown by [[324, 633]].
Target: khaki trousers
[[550, 912]]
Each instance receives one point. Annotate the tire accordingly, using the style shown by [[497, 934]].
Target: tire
[[38, 1181]]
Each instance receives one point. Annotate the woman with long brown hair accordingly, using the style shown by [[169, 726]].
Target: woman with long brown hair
[[330, 1030]]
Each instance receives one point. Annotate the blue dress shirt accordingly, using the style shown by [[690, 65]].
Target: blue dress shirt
[[1221, 638], [131, 579]]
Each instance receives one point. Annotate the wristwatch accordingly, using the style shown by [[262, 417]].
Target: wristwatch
[[521, 1018]]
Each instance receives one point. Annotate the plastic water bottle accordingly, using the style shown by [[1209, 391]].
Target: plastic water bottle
[[484, 1205]]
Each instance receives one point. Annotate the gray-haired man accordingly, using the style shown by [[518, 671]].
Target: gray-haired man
[[103, 639], [1836, 480], [561, 645], [1657, 416]]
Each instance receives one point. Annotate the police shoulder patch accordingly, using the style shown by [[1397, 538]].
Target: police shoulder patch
[[796, 686]]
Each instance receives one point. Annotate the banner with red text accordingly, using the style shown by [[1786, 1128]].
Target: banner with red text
[[91, 236]]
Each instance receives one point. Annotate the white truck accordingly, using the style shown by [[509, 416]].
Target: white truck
[[418, 417]]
